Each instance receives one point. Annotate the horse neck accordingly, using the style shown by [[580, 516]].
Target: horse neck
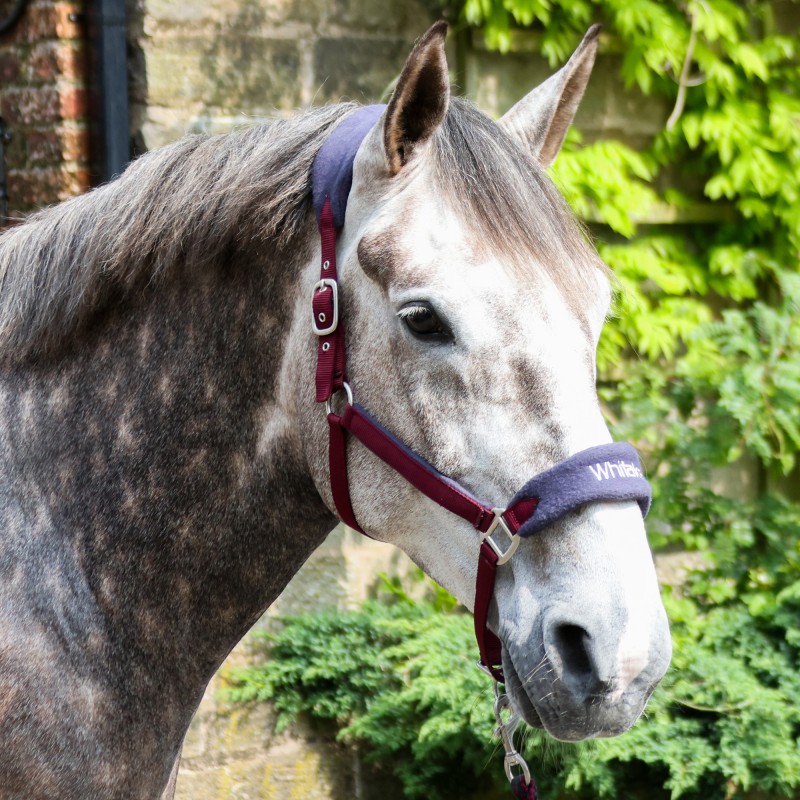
[[158, 456]]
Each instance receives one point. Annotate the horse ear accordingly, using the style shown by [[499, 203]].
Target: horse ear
[[541, 119], [420, 100]]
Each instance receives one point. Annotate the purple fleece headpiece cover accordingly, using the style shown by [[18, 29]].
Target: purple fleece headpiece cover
[[332, 173]]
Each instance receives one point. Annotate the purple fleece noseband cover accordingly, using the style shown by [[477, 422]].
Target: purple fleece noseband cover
[[608, 472]]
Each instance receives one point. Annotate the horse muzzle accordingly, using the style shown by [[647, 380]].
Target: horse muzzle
[[581, 653]]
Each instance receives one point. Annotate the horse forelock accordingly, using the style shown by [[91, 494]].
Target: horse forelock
[[510, 206], [186, 206]]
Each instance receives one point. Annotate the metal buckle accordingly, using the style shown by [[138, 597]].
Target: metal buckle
[[499, 522], [320, 286]]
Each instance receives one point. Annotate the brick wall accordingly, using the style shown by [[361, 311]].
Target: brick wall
[[44, 101]]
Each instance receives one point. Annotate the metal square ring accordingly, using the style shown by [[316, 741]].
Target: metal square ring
[[499, 522]]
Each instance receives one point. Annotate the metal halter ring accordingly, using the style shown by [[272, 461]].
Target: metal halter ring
[[347, 390], [499, 522]]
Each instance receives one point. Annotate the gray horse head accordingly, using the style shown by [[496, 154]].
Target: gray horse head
[[474, 303]]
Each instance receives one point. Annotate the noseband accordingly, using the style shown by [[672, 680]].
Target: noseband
[[608, 472]]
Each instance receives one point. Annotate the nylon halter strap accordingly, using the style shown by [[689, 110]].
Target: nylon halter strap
[[609, 472]]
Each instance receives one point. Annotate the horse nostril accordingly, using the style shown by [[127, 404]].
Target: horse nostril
[[585, 668], [571, 643]]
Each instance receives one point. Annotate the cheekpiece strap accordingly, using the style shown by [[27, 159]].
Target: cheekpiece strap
[[331, 180]]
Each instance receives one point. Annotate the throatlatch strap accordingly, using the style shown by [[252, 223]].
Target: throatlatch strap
[[331, 353], [337, 461]]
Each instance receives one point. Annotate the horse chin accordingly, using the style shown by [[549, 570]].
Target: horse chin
[[522, 703], [567, 720]]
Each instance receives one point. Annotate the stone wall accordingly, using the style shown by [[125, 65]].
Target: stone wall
[[44, 101], [209, 66]]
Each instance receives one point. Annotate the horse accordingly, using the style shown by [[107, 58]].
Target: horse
[[165, 464]]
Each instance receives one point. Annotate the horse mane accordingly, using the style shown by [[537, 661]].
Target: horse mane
[[200, 199], [191, 202]]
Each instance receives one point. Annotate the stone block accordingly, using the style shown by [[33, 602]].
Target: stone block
[[174, 75], [37, 23], [242, 731], [496, 82], [234, 74], [44, 147], [41, 186], [251, 74], [75, 180], [72, 62], [163, 125], [75, 143], [73, 102], [249, 16], [48, 20], [26, 187], [190, 11], [674, 568], [739, 480], [609, 109], [356, 69], [43, 62], [408, 19], [786, 14], [66, 22]]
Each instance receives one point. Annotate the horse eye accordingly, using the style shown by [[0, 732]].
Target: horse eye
[[423, 321]]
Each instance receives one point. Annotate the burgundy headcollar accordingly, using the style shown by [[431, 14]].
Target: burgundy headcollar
[[608, 472]]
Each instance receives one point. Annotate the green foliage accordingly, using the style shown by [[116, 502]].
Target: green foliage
[[699, 364]]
